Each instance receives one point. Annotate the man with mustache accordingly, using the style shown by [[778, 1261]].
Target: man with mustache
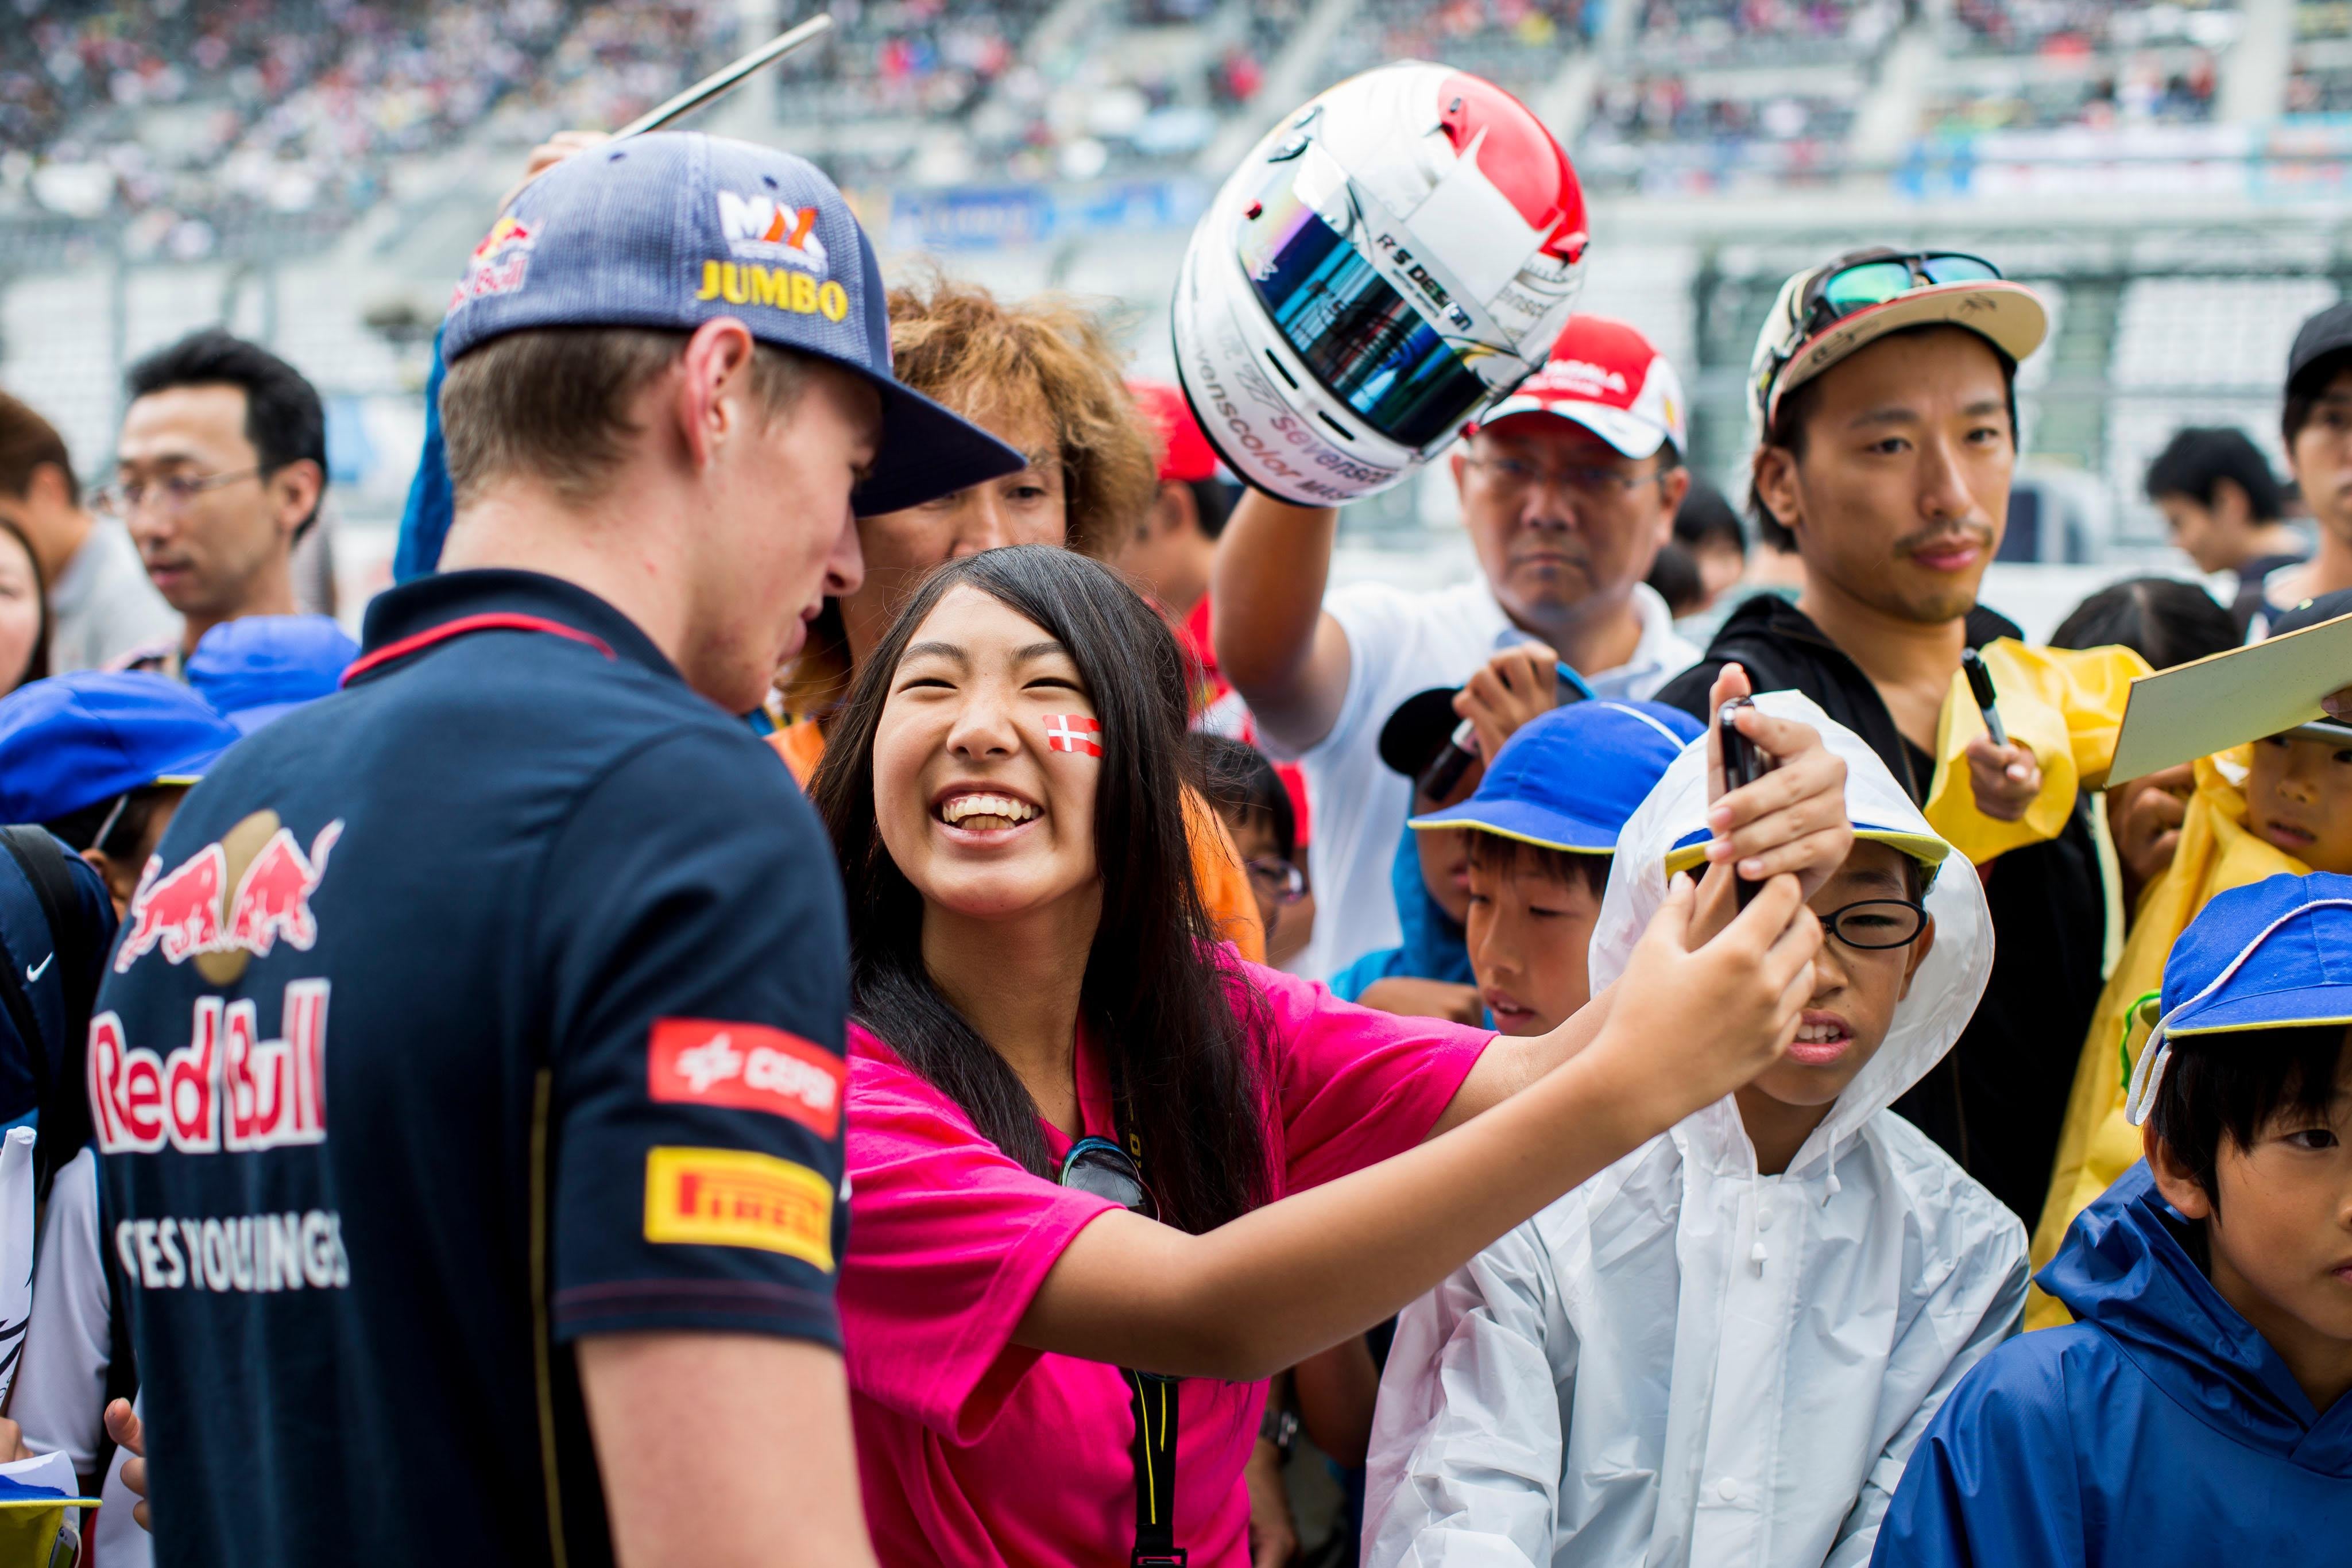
[[1883, 388], [1568, 487]]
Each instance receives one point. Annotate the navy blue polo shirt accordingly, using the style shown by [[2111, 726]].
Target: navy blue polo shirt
[[493, 1001]]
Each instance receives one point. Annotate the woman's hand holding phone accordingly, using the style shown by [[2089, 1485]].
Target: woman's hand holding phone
[[1792, 820], [1691, 1021]]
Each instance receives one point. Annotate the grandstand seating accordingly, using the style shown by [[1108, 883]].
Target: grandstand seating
[[235, 139], [1763, 32]]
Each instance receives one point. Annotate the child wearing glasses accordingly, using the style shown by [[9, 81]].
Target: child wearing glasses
[[1724, 1347], [1249, 798]]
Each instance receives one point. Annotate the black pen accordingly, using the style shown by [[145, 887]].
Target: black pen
[[1980, 684]]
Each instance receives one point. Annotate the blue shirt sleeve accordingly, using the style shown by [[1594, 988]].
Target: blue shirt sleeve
[[425, 522], [1993, 1483], [696, 950]]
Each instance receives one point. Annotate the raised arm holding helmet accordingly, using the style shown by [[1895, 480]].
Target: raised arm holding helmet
[[1388, 269]]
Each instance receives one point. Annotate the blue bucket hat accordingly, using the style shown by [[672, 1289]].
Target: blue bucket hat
[[672, 229], [2277, 954], [1569, 778], [258, 667], [71, 741]]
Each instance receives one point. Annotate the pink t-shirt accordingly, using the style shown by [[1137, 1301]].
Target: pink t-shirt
[[974, 1451]]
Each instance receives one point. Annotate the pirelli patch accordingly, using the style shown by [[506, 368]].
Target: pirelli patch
[[735, 1197]]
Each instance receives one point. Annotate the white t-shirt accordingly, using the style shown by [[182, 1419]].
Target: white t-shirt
[[60, 1396], [1399, 643], [103, 605]]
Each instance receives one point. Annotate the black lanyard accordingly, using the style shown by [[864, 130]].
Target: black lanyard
[[1102, 1168], [1153, 1399]]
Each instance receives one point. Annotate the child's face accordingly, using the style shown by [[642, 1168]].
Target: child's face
[[121, 876], [2281, 1237], [1445, 854], [1254, 836], [1529, 932], [2299, 800], [1855, 989]]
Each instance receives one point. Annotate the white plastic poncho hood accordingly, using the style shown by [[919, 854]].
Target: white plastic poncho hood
[[1944, 992], [1683, 1362]]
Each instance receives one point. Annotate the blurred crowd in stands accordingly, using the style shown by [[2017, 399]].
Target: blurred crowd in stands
[[173, 120]]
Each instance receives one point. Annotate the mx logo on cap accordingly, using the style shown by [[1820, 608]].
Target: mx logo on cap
[[762, 228]]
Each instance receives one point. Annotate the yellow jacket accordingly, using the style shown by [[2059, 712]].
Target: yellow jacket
[[2096, 1145], [2066, 703]]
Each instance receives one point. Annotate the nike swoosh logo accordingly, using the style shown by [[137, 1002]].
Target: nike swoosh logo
[[32, 974]]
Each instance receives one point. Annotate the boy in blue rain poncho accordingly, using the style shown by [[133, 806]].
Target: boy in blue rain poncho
[[1721, 1349], [2197, 1405]]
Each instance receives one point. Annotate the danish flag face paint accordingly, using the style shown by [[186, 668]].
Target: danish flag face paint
[[1074, 732]]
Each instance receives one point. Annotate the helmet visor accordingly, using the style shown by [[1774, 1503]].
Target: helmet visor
[[1360, 337]]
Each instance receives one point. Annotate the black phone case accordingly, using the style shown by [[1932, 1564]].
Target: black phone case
[[1743, 763]]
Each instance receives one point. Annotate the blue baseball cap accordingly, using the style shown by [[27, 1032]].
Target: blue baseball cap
[[71, 741], [672, 229], [2275, 954], [258, 667], [1569, 778]]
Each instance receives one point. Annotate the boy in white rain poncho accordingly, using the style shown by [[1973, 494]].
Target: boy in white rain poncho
[[1723, 1348]]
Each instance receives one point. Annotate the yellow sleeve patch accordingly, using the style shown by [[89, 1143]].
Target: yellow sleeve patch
[[735, 1197]]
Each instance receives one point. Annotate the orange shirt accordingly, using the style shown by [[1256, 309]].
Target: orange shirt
[[1216, 863]]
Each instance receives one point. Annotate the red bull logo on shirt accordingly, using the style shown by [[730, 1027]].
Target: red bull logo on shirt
[[227, 1089], [182, 913]]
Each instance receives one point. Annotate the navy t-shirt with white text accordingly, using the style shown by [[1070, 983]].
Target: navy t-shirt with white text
[[495, 1001]]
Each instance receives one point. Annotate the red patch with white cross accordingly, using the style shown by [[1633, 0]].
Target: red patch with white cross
[[1074, 732]]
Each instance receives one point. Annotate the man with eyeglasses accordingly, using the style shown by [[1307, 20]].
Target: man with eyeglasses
[[1567, 489], [1883, 386], [219, 469]]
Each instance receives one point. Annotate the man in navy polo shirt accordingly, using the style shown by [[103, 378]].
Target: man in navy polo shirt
[[468, 1076]]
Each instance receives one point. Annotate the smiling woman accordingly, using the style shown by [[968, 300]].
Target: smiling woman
[[1033, 973]]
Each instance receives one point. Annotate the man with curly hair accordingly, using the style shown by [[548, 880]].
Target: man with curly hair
[[1038, 373]]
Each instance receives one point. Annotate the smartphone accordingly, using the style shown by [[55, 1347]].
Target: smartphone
[[1744, 762]]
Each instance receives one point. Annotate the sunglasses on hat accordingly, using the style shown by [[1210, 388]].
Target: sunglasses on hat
[[1843, 291]]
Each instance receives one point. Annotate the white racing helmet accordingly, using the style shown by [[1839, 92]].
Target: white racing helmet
[[1386, 265]]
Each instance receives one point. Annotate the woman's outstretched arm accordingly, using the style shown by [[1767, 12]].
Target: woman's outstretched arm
[[1685, 1027]]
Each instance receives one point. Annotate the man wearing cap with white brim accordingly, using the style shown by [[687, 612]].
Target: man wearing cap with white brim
[[494, 1212], [1569, 488], [1883, 394]]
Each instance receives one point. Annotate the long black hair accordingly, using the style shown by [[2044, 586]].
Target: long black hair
[[39, 666], [1179, 1030]]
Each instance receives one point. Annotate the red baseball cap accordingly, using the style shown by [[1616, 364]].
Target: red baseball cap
[[1605, 376], [1186, 456]]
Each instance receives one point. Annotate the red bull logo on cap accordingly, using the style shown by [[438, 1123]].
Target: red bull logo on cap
[[182, 913], [499, 264]]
